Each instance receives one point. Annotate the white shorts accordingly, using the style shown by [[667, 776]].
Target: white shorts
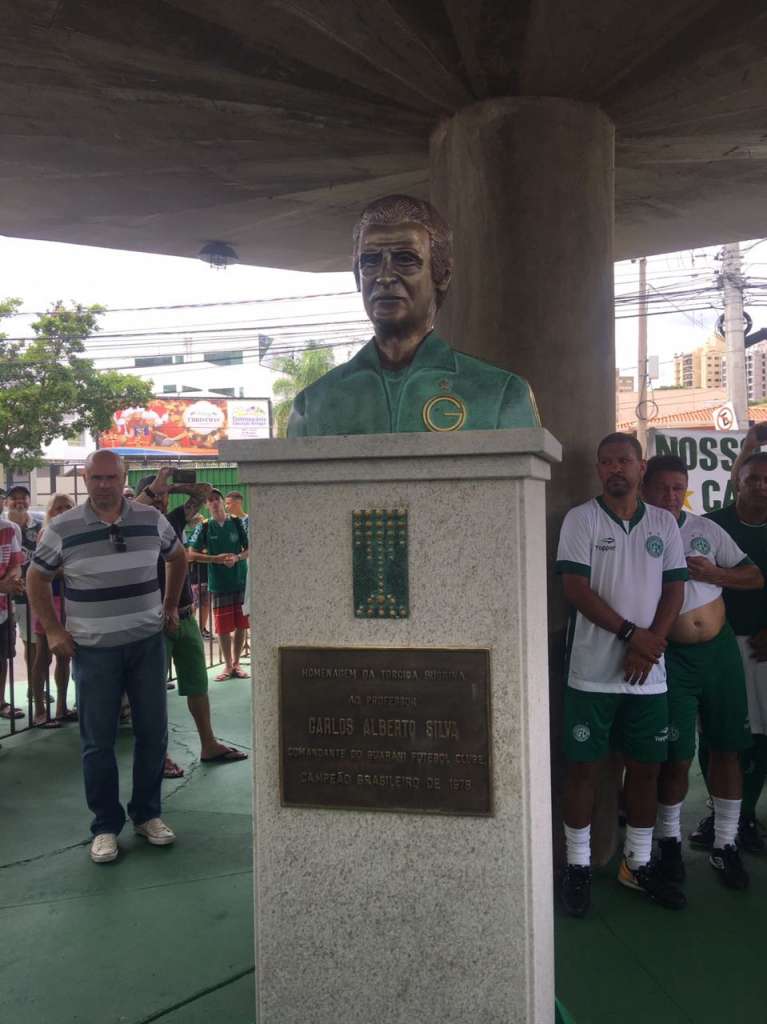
[[23, 623], [756, 687]]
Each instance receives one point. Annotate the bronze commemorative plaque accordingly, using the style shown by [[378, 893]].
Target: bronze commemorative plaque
[[385, 729]]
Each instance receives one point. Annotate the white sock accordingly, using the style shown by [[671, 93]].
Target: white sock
[[726, 818], [578, 842], [638, 846], [668, 824]]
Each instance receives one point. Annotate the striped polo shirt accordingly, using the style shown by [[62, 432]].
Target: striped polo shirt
[[111, 597], [11, 555]]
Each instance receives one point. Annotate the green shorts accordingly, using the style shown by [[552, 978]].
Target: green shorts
[[707, 680], [595, 723], [188, 653]]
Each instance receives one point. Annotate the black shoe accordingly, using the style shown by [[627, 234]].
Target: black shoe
[[651, 882], [750, 835], [575, 890], [703, 836], [727, 862], [670, 863]]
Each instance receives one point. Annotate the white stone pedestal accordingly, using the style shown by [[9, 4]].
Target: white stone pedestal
[[413, 918]]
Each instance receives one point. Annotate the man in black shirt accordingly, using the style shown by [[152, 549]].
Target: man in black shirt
[[185, 646], [746, 523]]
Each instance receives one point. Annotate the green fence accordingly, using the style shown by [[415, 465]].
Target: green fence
[[223, 478]]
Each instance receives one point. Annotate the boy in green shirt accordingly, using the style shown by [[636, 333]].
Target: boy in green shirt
[[222, 544]]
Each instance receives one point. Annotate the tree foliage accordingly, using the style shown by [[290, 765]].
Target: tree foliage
[[49, 388], [299, 372]]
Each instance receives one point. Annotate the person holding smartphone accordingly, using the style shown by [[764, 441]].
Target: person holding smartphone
[[184, 645]]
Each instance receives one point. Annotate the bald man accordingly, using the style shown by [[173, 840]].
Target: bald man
[[107, 551]]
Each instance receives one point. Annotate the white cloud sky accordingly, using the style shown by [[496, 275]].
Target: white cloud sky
[[42, 272]]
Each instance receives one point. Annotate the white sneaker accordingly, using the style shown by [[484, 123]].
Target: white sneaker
[[156, 832], [104, 848]]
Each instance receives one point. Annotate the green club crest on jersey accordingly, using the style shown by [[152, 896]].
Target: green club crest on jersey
[[581, 733], [654, 545], [701, 545]]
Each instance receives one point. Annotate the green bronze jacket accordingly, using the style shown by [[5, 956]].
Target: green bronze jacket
[[440, 390]]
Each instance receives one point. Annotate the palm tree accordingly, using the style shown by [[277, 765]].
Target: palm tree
[[299, 372]]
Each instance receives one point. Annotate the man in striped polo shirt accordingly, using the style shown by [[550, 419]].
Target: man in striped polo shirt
[[115, 618]]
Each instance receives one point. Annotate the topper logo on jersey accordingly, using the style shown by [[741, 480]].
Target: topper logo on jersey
[[701, 545], [654, 545], [606, 544], [581, 733]]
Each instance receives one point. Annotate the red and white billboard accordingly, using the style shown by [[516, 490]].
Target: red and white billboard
[[186, 426]]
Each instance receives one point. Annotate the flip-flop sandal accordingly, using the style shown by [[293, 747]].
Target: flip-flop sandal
[[230, 755], [238, 673], [53, 723], [222, 676], [70, 715], [171, 770], [6, 711]]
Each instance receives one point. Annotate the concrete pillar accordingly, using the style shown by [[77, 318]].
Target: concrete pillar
[[527, 185]]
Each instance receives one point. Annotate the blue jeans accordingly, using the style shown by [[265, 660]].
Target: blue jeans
[[101, 675]]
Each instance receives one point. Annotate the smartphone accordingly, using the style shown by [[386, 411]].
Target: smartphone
[[184, 476]]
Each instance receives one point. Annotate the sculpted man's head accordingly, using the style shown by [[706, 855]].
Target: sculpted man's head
[[402, 262]]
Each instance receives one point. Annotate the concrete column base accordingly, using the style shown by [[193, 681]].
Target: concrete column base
[[527, 186]]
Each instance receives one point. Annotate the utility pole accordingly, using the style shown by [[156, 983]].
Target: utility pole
[[641, 409], [732, 288]]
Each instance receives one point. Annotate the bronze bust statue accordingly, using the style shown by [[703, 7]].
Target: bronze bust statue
[[407, 378]]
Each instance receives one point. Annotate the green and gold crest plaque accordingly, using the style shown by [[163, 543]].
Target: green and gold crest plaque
[[380, 544]]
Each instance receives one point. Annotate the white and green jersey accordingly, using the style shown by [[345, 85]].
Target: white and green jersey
[[626, 562], [704, 537]]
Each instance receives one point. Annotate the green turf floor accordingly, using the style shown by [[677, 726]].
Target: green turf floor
[[631, 962], [166, 934], [161, 933]]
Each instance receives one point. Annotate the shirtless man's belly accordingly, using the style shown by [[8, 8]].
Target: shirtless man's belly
[[700, 624]]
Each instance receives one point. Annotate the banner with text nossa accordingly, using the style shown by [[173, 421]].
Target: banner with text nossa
[[709, 456]]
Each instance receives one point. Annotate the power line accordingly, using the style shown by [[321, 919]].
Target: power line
[[204, 305]]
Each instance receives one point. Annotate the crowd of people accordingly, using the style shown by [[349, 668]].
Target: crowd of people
[[668, 645], [667, 649], [104, 588]]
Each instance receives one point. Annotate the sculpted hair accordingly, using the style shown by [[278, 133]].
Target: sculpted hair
[[399, 209], [618, 437], [664, 464]]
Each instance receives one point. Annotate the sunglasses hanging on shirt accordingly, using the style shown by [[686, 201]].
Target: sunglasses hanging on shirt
[[116, 537]]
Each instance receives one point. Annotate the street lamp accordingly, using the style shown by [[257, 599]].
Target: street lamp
[[218, 255]]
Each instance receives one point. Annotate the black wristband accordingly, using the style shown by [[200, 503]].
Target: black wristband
[[150, 492], [626, 631]]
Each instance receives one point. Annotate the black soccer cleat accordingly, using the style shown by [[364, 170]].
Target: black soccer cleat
[[750, 836], [703, 836], [575, 890], [670, 863], [728, 864], [650, 881]]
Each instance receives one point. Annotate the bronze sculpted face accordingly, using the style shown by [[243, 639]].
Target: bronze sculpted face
[[395, 279], [402, 264]]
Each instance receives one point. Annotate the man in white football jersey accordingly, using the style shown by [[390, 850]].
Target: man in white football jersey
[[705, 679], [623, 571]]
